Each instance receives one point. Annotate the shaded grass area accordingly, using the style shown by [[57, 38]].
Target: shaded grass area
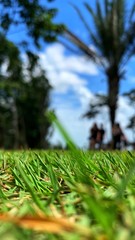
[[67, 195]]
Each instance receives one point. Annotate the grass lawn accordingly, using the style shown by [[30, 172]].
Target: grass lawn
[[67, 195]]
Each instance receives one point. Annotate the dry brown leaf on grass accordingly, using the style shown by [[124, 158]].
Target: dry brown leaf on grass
[[44, 224]]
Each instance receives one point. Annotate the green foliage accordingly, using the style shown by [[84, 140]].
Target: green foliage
[[24, 100], [33, 16], [32, 103]]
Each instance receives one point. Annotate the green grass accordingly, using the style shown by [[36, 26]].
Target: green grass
[[94, 192]]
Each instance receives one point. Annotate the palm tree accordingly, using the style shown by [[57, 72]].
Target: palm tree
[[114, 41]]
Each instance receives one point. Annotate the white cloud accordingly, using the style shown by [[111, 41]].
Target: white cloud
[[55, 56], [64, 75], [63, 72]]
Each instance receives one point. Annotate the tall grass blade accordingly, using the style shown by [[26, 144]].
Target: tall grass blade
[[29, 186], [63, 132]]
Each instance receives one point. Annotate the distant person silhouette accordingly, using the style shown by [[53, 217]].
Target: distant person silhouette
[[100, 136], [118, 136], [93, 136]]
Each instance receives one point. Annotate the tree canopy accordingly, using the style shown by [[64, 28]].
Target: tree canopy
[[31, 17]]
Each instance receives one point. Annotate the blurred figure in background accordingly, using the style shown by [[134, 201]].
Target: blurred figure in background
[[118, 136], [100, 136], [93, 136]]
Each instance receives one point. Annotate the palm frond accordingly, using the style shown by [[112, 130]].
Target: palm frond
[[131, 96], [68, 46], [113, 36], [99, 12], [107, 6], [92, 112], [89, 52], [95, 107], [101, 30], [97, 42], [132, 12], [97, 17], [81, 17], [90, 10], [131, 122]]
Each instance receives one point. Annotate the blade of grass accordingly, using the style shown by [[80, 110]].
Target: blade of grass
[[52, 117], [52, 175], [29, 186], [125, 181]]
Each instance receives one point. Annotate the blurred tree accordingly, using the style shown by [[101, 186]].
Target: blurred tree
[[30, 19], [114, 42], [10, 78], [24, 99], [32, 103]]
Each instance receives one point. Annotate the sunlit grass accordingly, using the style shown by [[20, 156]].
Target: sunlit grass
[[93, 191]]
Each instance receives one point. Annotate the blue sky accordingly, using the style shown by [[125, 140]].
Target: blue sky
[[75, 79]]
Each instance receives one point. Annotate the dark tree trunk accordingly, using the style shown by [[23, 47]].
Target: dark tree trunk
[[113, 90]]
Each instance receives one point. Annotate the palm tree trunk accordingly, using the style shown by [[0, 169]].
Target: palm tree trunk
[[113, 90]]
